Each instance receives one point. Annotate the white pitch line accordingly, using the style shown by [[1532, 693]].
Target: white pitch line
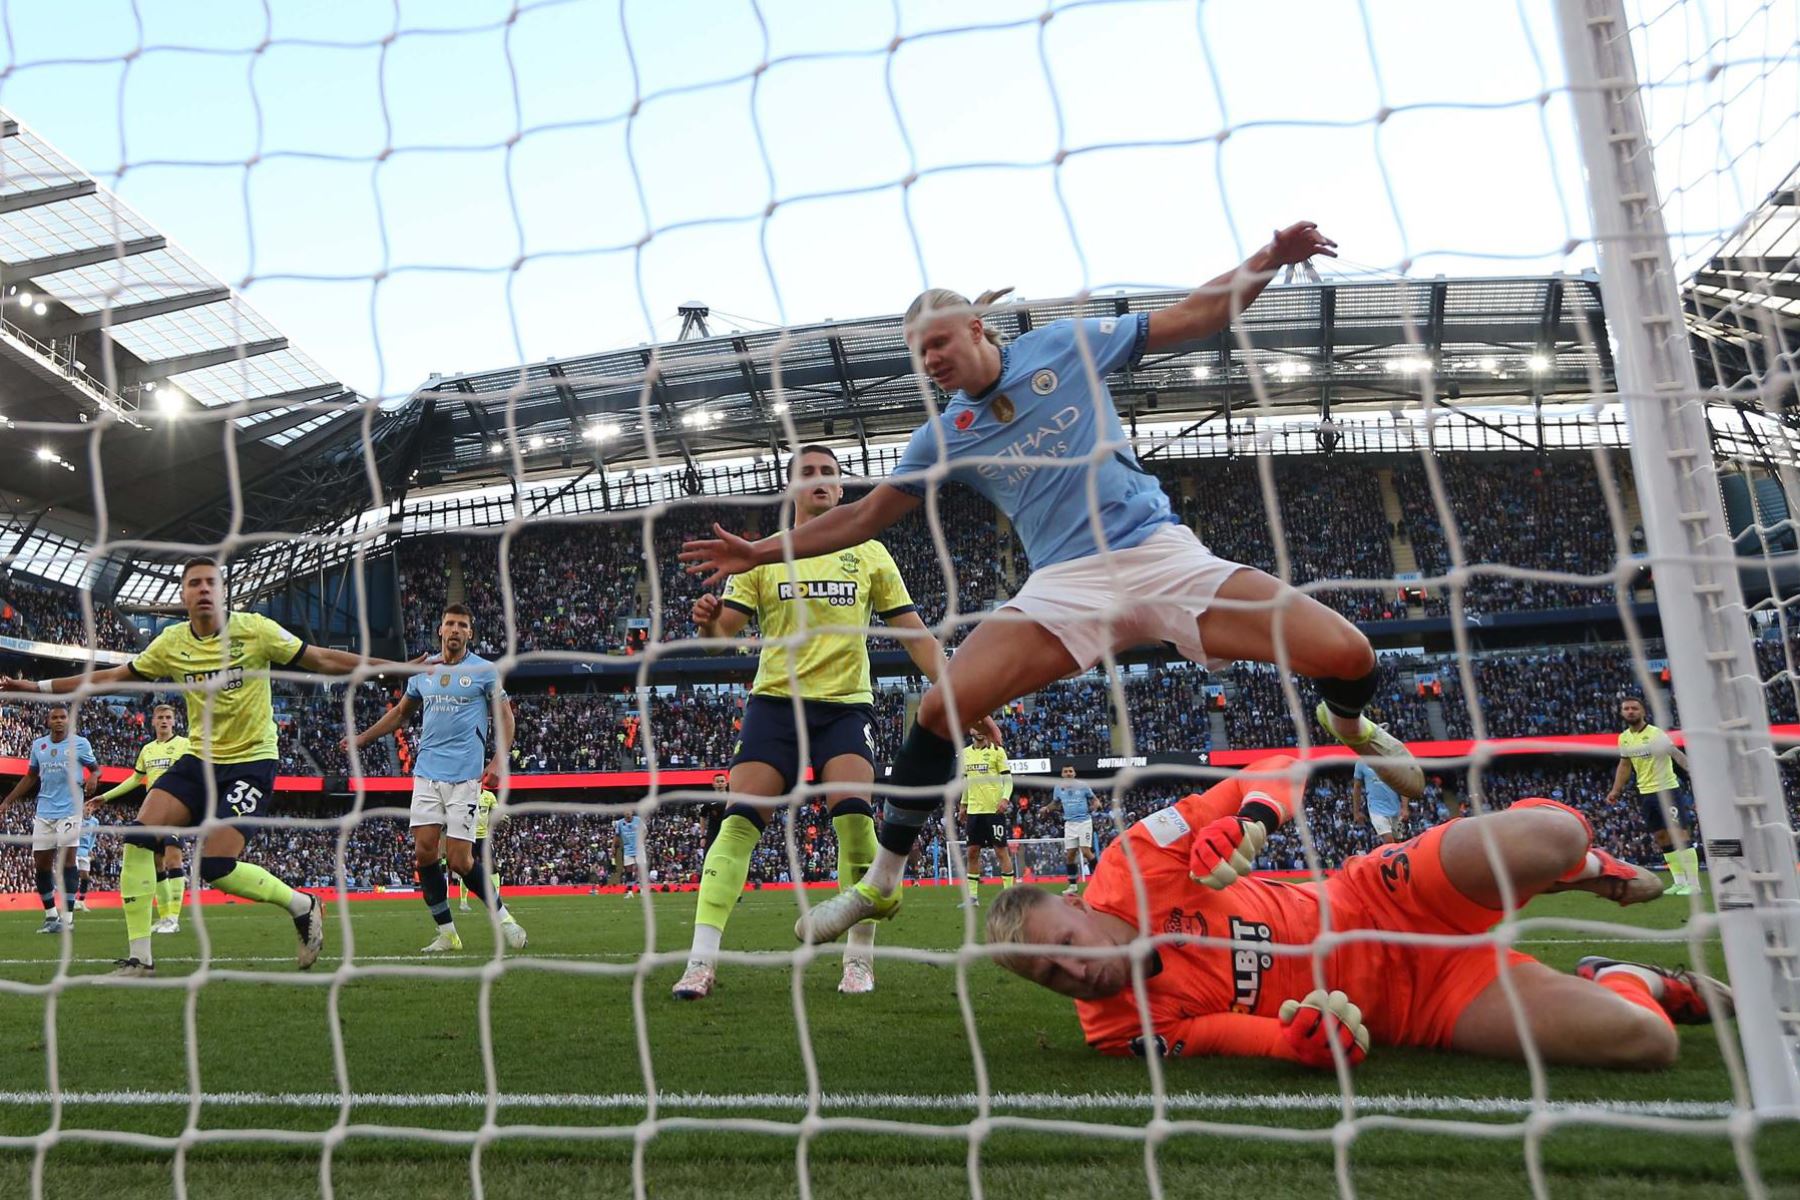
[[629, 955], [865, 1101]]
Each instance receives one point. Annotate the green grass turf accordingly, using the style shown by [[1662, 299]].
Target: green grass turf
[[558, 1032]]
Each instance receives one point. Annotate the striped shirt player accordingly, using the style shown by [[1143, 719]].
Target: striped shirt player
[[1032, 427], [1648, 757], [221, 661], [62, 769], [1386, 808], [1075, 801], [154, 758], [810, 708], [461, 696]]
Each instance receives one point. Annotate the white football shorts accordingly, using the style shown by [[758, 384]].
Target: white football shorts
[[1078, 835], [451, 805], [55, 833], [1153, 592], [1385, 824]]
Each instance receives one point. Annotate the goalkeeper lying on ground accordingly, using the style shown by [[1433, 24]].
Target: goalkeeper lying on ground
[[1252, 997]]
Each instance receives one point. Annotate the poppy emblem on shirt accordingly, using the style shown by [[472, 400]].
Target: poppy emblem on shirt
[[1044, 382], [965, 418]]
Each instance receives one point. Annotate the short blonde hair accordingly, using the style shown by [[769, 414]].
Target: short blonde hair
[[938, 302], [1006, 917], [160, 707]]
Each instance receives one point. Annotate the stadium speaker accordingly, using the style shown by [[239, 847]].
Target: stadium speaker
[[337, 785]]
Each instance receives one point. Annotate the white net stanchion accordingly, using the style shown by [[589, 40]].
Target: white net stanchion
[[1455, 450], [1738, 791]]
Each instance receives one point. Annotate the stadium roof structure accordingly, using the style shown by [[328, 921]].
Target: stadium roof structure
[[1312, 348], [105, 321], [1743, 308]]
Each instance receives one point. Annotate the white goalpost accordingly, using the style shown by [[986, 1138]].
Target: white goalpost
[[1737, 791]]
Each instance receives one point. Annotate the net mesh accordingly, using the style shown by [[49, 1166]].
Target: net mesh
[[697, 157]]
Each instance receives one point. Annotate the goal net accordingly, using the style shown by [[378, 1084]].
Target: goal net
[[501, 306]]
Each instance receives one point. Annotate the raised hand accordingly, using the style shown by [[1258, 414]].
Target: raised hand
[[1297, 243], [717, 558]]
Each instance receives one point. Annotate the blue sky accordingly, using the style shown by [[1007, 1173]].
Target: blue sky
[[451, 186]]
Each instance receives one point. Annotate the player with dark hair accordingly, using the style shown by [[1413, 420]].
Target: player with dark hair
[[460, 693], [1668, 810], [1230, 975], [62, 770], [1032, 427], [812, 693], [221, 661]]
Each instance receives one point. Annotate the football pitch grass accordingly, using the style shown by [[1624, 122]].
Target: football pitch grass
[[566, 1052]]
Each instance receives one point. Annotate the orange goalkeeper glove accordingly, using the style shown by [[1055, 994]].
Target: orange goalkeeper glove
[[1224, 850], [1314, 1023]]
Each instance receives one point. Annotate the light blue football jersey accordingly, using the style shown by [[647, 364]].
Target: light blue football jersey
[[456, 698], [1380, 798], [1076, 801], [58, 765], [1051, 402], [631, 832]]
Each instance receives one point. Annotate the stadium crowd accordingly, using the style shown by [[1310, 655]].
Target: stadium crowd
[[540, 847], [41, 613], [1545, 513]]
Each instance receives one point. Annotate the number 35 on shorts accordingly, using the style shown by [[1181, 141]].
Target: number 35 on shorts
[[243, 798]]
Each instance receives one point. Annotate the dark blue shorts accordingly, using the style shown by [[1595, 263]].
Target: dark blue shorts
[[985, 831], [1667, 810], [240, 789], [770, 735]]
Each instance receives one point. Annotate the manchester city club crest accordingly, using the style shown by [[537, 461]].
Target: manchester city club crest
[[1003, 408], [1044, 382], [465, 681]]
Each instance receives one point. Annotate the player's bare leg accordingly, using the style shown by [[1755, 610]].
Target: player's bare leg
[[1320, 645], [1616, 1022], [1001, 661]]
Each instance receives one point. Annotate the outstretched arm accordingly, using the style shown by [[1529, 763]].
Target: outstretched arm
[[99, 680], [326, 661], [844, 526], [390, 720], [1232, 820], [131, 781], [1303, 1033], [1209, 308]]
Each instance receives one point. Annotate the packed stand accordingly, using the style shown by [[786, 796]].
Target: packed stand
[[42, 613], [1573, 689], [1544, 513], [1331, 522]]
